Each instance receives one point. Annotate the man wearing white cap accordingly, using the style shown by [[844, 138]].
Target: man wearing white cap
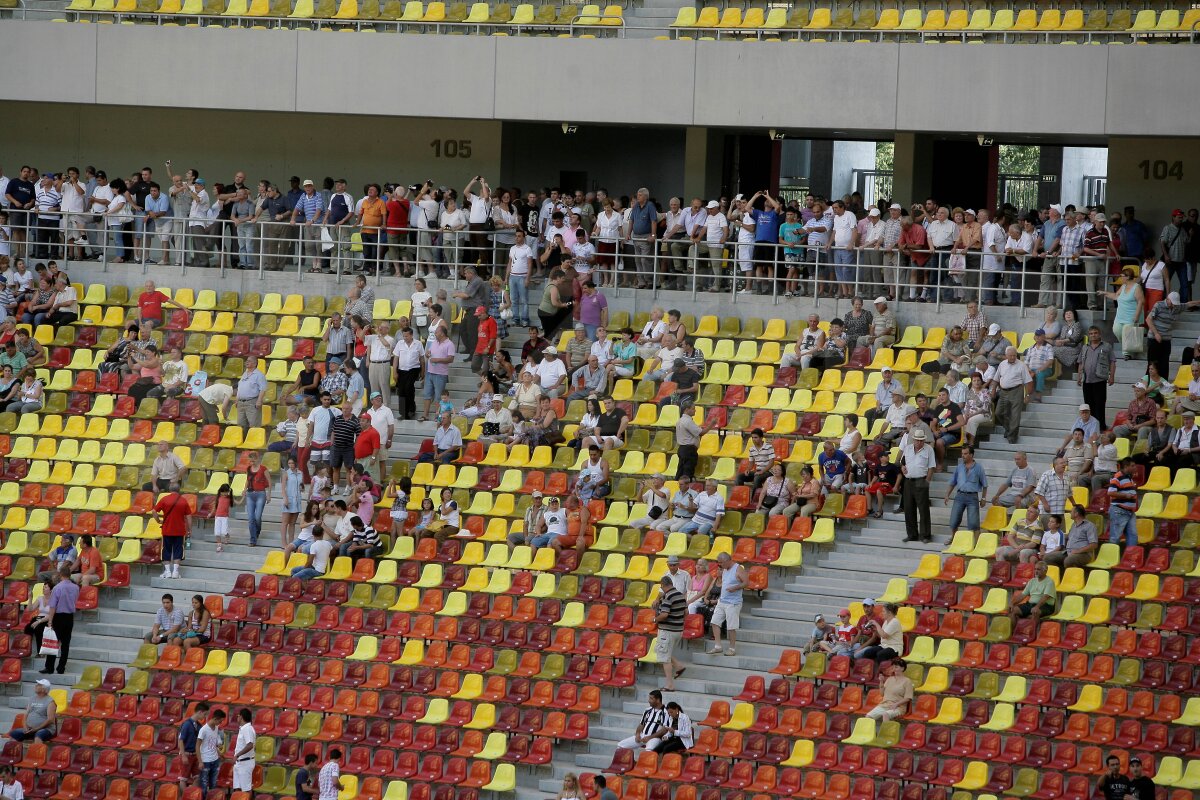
[[917, 461], [40, 715], [870, 247], [497, 422], [1158, 329], [715, 230], [683, 245], [883, 327], [551, 374], [1142, 411], [888, 386]]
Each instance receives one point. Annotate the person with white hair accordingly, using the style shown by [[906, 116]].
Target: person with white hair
[[1011, 385]]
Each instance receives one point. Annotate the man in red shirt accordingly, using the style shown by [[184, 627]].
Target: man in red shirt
[[399, 248], [150, 306], [914, 245], [366, 446], [173, 513], [485, 342]]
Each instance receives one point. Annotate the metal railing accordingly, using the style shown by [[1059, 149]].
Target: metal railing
[[730, 270]]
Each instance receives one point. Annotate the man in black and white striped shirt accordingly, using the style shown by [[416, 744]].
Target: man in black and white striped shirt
[[670, 609], [653, 718]]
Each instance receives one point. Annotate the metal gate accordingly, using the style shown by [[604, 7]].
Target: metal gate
[[1095, 187], [1019, 190], [873, 184]]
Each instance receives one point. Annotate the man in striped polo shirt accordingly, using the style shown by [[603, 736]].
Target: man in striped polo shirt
[[669, 609], [1122, 503]]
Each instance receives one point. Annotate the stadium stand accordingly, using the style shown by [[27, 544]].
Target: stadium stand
[[454, 665]]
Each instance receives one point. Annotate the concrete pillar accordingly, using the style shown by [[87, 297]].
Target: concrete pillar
[[695, 164], [1153, 175], [912, 177]]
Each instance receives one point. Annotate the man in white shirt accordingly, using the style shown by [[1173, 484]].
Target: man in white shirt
[[551, 373], [602, 347], [408, 359], [73, 202], [1011, 385], [843, 241], [941, 234], [383, 421], [379, 354], [664, 361], [917, 462], [243, 754], [714, 229], [520, 259]]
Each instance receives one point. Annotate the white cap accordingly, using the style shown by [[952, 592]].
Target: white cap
[[497, 398], [881, 299], [919, 435], [1139, 385], [1084, 407], [895, 207], [43, 683], [970, 211], [993, 329], [868, 601], [550, 351], [1173, 298], [874, 212], [739, 197], [1056, 207], [713, 204]]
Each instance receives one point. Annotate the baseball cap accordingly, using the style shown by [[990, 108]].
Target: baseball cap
[[308, 182], [881, 299], [1178, 213], [1084, 407], [1056, 207], [375, 394], [886, 369], [536, 494], [1139, 385], [970, 211], [43, 683], [919, 435], [713, 204], [480, 310], [845, 612], [868, 601], [579, 326], [1040, 332], [993, 329], [874, 212], [200, 181], [896, 207], [1173, 298], [819, 618], [672, 559], [549, 351], [739, 197]]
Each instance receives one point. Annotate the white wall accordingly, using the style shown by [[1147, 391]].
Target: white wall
[[847, 157], [701, 83], [1078, 162]]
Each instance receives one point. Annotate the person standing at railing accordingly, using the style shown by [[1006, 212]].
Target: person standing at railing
[[766, 238], [198, 220], [642, 233], [1174, 241], [1068, 248], [1050, 284], [1097, 250], [453, 222], [520, 262], [20, 196], [180, 197], [339, 214], [871, 232], [480, 212], [370, 213], [914, 247], [309, 211], [843, 241], [156, 225], [242, 216], [969, 244], [991, 270], [941, 233], [274, 226], [400, 247], [72, 203], [506, 223]]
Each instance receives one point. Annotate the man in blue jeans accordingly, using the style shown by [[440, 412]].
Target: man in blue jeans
[[1122, 503], [971, 482], [318, 557]]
